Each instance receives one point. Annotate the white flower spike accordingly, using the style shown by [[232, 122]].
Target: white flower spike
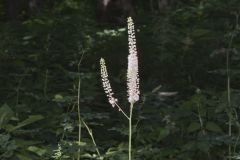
[[132, 72], [106, 84]]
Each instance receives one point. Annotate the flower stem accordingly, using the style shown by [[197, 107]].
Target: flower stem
[[78, 109], [120, 109], [130, 134], [79, 119], [229, 96]]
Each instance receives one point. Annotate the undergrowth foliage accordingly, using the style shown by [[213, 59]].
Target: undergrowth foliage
[[189, 106]]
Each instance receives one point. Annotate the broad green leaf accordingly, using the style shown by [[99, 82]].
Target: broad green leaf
[[37, 150], [194, 126], [5, 115], [87, 155], [190, 145], [212, 126], [112, 151], [30, 120], [122, 29], [163, 132], [58, 96]]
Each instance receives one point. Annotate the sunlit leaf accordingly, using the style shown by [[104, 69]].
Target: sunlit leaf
[[37, 150]]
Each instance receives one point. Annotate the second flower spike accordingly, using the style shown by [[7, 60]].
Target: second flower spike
[[106, 84]]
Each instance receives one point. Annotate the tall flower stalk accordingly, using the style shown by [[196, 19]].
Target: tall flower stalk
[[132, 81], [132, 78]]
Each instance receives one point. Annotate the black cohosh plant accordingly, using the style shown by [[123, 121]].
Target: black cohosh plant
[[132, 81]]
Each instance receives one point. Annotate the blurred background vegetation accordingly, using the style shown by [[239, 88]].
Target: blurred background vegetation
[[189, 76]]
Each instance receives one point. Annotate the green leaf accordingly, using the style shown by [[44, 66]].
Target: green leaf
[[58, 97], [194, 126], [37, 150], [5, 115], [189, 146], [212, 126], [162, 133], [81, 143], [30, 120]]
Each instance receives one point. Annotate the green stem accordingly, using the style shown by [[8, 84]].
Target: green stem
[[78, 104], [79, 119], [130, 134], [229, 96], [92, 137], [120, 109]]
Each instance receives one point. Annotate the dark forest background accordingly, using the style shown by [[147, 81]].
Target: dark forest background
[[189, 79]]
